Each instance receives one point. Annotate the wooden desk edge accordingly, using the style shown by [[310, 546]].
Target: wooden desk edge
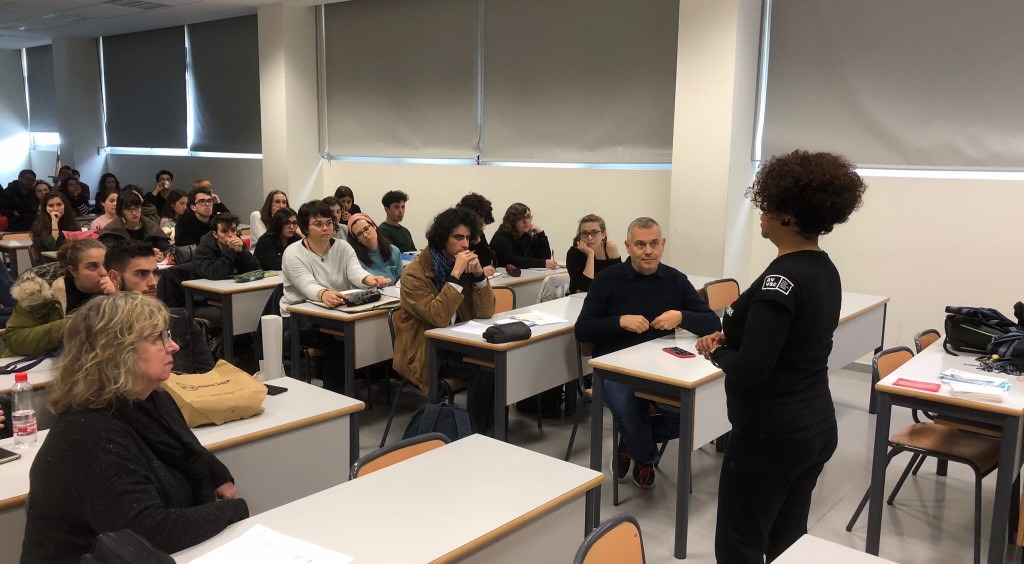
[[280, 429], [979, 405], [864, 310], [266, 284], [654, 377], [13, 502], [334, 315], [499, 346], [520, 522]]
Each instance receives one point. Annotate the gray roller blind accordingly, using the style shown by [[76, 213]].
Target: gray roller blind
[[579, 80], [144, 81], [913, 83], [225, 85], [401, 78], [42, 96]]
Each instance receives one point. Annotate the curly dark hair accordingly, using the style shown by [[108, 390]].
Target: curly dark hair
[[481, 205], [446, 222], [820, 190], [393, 197]]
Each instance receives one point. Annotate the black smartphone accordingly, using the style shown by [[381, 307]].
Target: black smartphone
[[8, 456], [678, 352], [273, 390]]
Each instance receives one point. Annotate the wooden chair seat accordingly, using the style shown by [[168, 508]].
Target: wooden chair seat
[[969, 426], [942, 440], [658, 399], [334, 332]]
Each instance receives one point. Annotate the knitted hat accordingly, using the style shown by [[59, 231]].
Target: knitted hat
[[357, 216]]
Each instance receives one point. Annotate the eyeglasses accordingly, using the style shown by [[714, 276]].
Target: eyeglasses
[[165, 338], [292, 223], [592, 233], [364, 231], [204, 201], [526, 217], [322, 224]]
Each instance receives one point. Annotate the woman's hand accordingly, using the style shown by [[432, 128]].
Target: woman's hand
[[107, 286], [330, 298], [708, 343], [377, 281], [55, 219], [158, 254], [584, 248], [226, 491], [489, 271]]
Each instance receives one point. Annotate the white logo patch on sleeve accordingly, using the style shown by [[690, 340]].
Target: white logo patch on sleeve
[[776, 282]]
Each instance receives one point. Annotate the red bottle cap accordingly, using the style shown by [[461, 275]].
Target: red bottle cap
[[21, 377]]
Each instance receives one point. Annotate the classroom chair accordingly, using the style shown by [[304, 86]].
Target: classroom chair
[[925, 338], [720, 294], [554, 287], [943, 442], [402, 450], [617, 541]]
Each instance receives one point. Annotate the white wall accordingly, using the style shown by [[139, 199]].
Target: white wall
[[557, 197], [928, 243], [14, 141]]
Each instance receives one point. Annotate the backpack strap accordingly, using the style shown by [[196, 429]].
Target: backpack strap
[[429, 421], [462, 422]]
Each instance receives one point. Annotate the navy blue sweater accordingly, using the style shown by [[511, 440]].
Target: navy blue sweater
[[620, 290]]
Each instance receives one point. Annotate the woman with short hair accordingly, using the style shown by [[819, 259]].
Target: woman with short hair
[[136, 463]]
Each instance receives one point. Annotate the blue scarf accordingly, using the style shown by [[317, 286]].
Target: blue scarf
[[442, 268]]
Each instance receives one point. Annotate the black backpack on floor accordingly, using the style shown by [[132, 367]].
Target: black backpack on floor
[[450, 420]]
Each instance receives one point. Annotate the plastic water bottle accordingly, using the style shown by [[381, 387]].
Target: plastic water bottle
[[23, 411]]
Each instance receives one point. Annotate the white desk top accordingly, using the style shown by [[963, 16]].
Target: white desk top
[[39, 376], [812, 550], [302, 405], [15, 244], [483, 487], [229, 286], [926, 367], [501, 278], [564, 308]]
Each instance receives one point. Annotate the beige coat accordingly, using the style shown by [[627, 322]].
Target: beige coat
[[425, 308]]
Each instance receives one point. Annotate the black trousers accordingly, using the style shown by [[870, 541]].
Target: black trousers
[[764, 494]]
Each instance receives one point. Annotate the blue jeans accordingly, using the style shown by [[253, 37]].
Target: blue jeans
[[640, 431]]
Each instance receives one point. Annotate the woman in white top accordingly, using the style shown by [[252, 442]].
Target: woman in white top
[[260, 220], [318, 269]]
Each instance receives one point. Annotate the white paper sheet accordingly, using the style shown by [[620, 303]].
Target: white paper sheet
[[538, 318], [260, 545], [471, 327]]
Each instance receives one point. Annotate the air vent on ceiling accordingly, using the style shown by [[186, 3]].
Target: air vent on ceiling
[[136, 4]]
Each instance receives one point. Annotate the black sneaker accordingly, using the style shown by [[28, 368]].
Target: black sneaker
[[620, 462], [643, 476]]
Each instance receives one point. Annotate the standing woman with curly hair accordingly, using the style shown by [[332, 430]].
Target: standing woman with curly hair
[[774, 350]]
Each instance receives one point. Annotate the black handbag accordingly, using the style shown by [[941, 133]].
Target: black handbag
[[124, 547], [507, 332], [973, 329]]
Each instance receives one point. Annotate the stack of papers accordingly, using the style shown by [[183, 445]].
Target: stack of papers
[[975, 386], [532, 318], [260, 545]]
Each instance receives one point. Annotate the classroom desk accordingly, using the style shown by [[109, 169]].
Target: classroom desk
[[18, 251], [241, 305], [812, 550], [699, 387], [527, 285], [474, 500], [521, 368], [366, 339], [1009, 415], [276, 457]]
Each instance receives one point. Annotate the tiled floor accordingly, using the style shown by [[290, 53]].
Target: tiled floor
[[931, 521]]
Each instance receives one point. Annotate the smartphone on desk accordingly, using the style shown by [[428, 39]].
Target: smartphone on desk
[[678, 352], [8, 456]]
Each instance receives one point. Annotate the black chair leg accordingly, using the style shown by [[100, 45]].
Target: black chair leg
[[920, 463], [577, 417], [867, 494], [903, 478], [941, 467], [615, 481], [391, 414], [977, 518], [540, 416]]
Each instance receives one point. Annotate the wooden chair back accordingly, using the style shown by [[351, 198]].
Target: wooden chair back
[[402, 450], [925, 338], [504, 299], [720, 294], [16, 235], [889, 360], [616, 541]]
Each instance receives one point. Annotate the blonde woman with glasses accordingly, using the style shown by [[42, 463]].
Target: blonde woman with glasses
[[120, 455], [591, 252]]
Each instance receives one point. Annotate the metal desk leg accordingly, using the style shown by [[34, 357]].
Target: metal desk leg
[[350, 387], [878, 464], [227, 315], [433, 370], [686, 404], [873, 400], [500, 395], [1009, 454], [296, 340], [593, 510]]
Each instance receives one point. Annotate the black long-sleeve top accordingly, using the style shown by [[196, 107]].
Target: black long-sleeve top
[[530, 250], [620, 290], [95, 473], [188, 230], [778, 340], [212, 261], [576, 262], [269, 251]]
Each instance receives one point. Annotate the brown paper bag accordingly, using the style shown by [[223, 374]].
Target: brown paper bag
[[224, 394]]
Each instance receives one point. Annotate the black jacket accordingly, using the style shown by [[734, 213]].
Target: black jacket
[[530, 250], [95, 473], [19, 207], [151, 233], [189, 229], [213, 262], [193, 356], [269, 251]]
